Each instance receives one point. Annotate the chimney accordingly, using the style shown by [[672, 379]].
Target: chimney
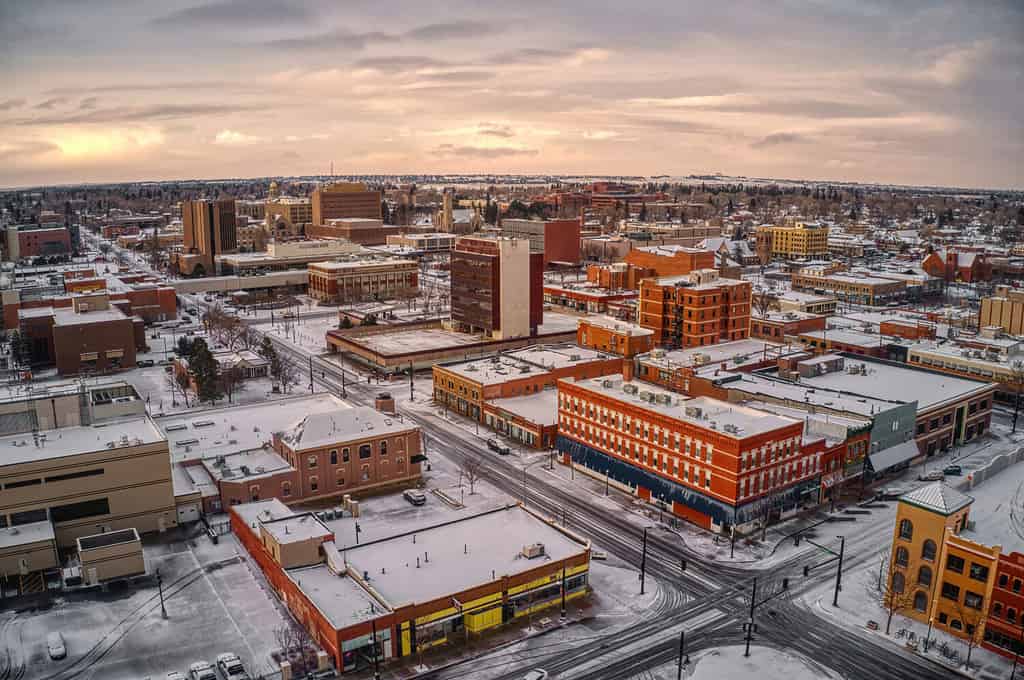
[[385, 403], [627, 370]]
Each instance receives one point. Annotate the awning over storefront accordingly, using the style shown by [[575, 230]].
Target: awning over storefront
[[893, 456]]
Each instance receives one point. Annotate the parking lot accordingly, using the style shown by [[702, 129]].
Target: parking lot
[[214, 604]]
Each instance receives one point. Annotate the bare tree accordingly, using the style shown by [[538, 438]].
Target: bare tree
[[179, 384], [973, 620], [470, 470], [762, 302], [231, 381], [895, 595], [287, 373], [248, 338]]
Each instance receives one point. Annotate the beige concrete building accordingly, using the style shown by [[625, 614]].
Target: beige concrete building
[[77, 461], [800, 239], [110, 555], [1005, 309], [286, 215]]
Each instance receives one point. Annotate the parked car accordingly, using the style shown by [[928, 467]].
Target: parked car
[[175, 675], [492, 444], [186, 318], [55, 646], [415, 496], [145, 363], [536, 674], [201, 670], [933, 476], [954, 470], [230, 666]]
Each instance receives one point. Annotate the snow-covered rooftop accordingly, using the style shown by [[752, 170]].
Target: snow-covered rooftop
[[23, 534], [72, 441], [338, 597], [459, 555], [938, 497], [323, 429], [540, 407]]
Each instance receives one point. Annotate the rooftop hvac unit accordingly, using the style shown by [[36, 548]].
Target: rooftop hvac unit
[[692, 411], [699, 359], [629, 388], [730, 428], [658, 354], [664, 399], [533, 550], [713, 425], [606, 384]]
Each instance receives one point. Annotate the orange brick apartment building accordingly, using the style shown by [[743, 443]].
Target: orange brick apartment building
[[695, 309], [712, 462]]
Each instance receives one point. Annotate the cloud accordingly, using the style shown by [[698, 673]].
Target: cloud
[[316, 136], [8, 104], [600, 135], [88, 103], [234, 13], [488, 152], [528, 55], [106, 143], [451, 30], [219, 85], [778, 139], [234, 138], [49, 104], [138, 114], [23, 149], [398, 64]]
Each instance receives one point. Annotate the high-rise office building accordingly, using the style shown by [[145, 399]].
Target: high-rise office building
[[346, 199], [488, 275], [209, 229]]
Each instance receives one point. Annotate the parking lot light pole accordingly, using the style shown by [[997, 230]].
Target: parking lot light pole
[[160, 586]]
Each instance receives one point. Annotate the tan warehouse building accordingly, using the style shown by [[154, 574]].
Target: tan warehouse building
[[77, 462]]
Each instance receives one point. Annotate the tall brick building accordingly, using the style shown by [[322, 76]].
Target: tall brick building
[[497, 286], [695, 309], [559, 240], [209, 229], [345, 199]]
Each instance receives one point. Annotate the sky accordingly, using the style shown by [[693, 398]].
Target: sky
[[906, 92]]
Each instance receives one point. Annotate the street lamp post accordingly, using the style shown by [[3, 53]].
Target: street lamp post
[[839, 571], [160, 586], [643, 564], [684, 658]]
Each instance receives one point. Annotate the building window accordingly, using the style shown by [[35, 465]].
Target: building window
[[920, 601], [924, 576], [340, 479], [1003, 580], [906, 529], [1016, 585], [71, 511], [383, 448], [334, 456], [312, 462], [928, 550], [954, 563], [344, 455], [950, 591], [254, 493], [364, 474], [902, 556], [997, 609], [898, 582], [979, 572], [314, 483], [286, 489], [943, 618], [972, 600], [1011, 615], [365, 451], [956, 625]]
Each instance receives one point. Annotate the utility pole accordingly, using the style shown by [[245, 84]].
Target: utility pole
[[750, 621], [376, 660], [311, 373], [839, 571], [358, 529], [563, 591], [160, 586], [643, 564], [410, 382], [684, 658]]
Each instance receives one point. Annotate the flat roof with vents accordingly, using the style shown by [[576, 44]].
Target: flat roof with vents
[[107, 539]]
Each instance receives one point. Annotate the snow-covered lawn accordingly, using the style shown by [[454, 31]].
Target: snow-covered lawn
[[764, 663]]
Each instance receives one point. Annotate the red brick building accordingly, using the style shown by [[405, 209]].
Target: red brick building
[[497, 286], [1004, 628], [777, 326], [619, 275], [359, 280], [695, 309], [44, 240], [958, 265], [606, 334], [671, 260], [559, 240], [712, 462]]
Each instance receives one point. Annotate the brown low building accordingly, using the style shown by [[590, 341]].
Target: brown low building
[[341, 282], [82, 461], [606, 334], [361, 230], [778, 326], [344, 200]]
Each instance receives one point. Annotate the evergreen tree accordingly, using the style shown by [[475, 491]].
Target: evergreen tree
[[204, 369]]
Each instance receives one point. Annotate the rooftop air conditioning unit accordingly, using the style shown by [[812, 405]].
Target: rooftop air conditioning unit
[[629, 388], [692, 411], [533, 550], [606, 384]]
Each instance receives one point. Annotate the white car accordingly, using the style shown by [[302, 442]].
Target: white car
[[55, 646], [536, 674], [175, 675], [201, 670], [230, 666]]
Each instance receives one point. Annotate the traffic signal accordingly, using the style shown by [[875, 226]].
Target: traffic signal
[[785, 584]]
